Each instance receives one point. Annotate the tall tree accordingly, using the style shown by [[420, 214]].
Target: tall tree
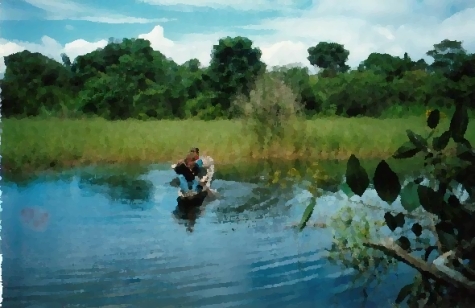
[[329, 56], [446, 54], [387, 65], [66, 60], [234, 67], [33, 81]]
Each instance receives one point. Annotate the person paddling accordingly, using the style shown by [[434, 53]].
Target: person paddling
[[187, 170], [206, 164], [204, 170]]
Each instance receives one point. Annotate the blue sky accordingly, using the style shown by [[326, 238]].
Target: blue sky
[[31, 22], [283, 29]]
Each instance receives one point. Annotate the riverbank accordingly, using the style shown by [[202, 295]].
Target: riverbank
[[39, 144]]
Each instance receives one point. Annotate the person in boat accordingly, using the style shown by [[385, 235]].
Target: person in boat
[[190, 179], [188, 170], [206, 165]]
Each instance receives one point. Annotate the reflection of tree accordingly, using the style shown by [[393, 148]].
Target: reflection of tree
[[120, 187]]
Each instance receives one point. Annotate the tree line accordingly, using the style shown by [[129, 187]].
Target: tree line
[[129, 79]]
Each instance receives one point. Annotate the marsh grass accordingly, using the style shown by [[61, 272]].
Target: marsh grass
[[45, 143]]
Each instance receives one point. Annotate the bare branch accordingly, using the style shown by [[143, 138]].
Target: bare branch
[[437, 270], [434, 231]]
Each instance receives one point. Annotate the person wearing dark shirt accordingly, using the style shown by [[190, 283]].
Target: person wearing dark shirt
[[188, 171]]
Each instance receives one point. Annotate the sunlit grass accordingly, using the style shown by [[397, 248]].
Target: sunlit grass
[[41, 143]]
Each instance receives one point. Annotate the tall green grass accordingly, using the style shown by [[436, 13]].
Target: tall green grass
[[44, 143]]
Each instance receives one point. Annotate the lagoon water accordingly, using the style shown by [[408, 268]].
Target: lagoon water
[[88, 240]]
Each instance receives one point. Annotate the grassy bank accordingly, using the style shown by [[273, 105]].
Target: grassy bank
[[43, 143]]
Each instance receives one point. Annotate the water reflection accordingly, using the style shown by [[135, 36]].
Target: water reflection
[[188, 211], [111, 238], [135, 192]]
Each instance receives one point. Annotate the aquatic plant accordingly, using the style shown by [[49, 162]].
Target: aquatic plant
[[434, 205]]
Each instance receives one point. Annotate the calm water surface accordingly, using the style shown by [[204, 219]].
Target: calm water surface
[[83, 241]]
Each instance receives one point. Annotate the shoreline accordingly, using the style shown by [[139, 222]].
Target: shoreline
[[253, 162], [250, 159], [37, 145]]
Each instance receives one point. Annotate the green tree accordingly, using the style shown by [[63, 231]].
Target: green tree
[[390, 66], [33, 82], [446, 55], [420, 64], [130, 79], [127, 78], [329, 56], [234, 67], [66, 60], [301, 83]]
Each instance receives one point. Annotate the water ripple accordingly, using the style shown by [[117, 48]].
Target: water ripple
[[97, 251]]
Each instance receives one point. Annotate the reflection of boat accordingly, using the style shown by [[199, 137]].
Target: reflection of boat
[[189, 209], [194, 200]]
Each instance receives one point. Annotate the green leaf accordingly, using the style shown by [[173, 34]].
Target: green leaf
[[464, 152], [409, 197], [347, 190], [404, 243], [356, 176], [447, 196], [386, 182], [431, 201], [417, 140], [407, 150], [390, 221], [307, 214], [399, 218], [433, 119], [417, 229], [441, 142], [465, 143], [445, 232], [404, 292], [459, 123]]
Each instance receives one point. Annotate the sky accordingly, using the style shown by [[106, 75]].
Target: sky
[[282, 29]]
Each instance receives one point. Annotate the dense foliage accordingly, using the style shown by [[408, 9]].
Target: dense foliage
[[128, 79]]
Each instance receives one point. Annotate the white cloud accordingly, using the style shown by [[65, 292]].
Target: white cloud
[[392, 26], [190, 46], [282, 53], [69, 10], [363, 27], [69, 27], [48, 47], [7, 48], [81, 47]]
